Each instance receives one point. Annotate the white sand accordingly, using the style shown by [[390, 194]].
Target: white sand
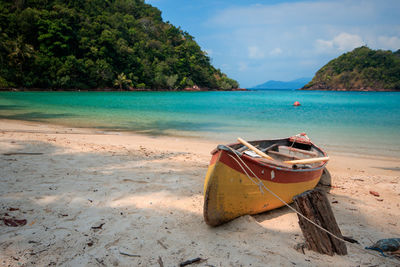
[[146, 192]]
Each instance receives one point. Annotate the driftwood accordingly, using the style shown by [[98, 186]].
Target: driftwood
[[21, 153], [188, 262], [315, 206], [128, 254], [162, 244], [98, 227]]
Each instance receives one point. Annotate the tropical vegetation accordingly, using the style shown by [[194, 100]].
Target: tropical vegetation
[[360, 69], [88, 44]]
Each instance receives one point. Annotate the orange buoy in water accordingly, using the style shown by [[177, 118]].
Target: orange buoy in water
[[296, 104]]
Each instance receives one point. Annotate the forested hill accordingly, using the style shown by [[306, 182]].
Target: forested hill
[[88, 44], [360, 69]]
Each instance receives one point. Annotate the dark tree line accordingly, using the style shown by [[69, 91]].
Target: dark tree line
[[86, 44]]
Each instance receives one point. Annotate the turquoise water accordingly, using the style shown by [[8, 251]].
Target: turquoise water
[[360, 122]]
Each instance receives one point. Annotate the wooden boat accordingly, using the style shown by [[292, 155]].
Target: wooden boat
[[240, 181]]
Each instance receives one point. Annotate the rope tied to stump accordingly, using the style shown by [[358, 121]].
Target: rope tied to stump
[[258, 182]]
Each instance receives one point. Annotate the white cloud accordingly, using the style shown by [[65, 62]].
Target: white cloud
[[386, 42], [341, 42], [275, 51], [346, 41], [254, 52], [283, 36], [323, 45], [242, 66]]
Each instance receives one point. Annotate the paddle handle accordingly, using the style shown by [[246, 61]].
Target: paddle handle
[[304, 161], [251, 147]]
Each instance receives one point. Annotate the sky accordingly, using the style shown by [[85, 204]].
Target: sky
[[256, 41]]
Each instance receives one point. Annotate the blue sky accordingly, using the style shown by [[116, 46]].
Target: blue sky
[[256, 41]]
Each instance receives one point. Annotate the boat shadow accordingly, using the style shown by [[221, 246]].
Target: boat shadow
[[273, 214]]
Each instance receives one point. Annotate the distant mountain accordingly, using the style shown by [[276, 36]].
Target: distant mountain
[[281, 85], [362, 69]]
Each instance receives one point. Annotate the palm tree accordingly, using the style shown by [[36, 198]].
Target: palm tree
[[18, 53], [122, 81]]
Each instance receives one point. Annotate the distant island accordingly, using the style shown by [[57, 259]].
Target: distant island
[[281, 85], [92, 45], [362, 69]]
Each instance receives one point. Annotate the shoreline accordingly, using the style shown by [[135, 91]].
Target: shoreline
[[344, 151], [189, 90], [118, 90], [29, 127], [93, 198], [349, 90]]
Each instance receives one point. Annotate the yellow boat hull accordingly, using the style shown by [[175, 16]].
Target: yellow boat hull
[[230, 193]]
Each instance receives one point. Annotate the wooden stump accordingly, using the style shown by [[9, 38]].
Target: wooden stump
[[315, 206]]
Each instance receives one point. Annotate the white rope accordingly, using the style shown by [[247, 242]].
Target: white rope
[[280, 199], [260, 184], [299, 136]]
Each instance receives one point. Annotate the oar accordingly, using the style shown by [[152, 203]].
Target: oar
[[262, 154], [304, 161]]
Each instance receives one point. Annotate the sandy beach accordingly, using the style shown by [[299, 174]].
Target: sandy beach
[[93, 198]]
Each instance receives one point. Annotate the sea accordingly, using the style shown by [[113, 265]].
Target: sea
[[350, 122]]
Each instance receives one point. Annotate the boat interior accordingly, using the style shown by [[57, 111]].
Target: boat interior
[[284, 152]]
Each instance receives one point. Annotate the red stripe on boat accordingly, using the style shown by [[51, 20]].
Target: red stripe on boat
[[266, 172], [215, 157]]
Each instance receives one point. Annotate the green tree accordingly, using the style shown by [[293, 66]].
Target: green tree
[[122, 81], [171, 81], [19, 53], [82, 44]]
